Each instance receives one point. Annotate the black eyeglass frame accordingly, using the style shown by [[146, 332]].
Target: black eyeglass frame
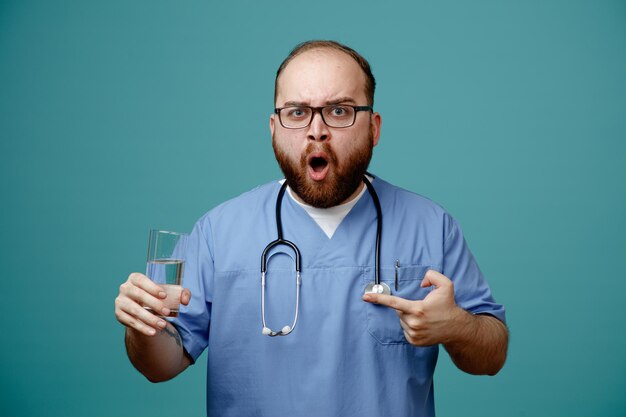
[[319, 110]]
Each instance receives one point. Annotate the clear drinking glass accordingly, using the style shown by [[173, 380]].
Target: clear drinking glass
[[166, 263]]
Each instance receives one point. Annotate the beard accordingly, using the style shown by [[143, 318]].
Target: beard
[[339, 184]]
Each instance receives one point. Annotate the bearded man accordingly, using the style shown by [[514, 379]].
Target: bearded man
[[375, 277]]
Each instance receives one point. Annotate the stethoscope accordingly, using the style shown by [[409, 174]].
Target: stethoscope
[[373, 287]]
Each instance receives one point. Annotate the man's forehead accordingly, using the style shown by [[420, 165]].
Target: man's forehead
[[320, 58], [321, 70]]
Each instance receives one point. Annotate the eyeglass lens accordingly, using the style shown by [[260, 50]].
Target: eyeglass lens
[[333, 116]]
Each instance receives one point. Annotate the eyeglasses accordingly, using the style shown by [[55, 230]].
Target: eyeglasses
[[335, 115]]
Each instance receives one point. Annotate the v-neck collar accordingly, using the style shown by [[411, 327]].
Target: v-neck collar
[[323, 217], [316, 248], [301, 227]]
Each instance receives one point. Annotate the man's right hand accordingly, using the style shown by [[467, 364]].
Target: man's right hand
[[138, 292], [159, 355]]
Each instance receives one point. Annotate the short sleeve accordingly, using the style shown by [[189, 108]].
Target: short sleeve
[[193, 320], [471, 290]]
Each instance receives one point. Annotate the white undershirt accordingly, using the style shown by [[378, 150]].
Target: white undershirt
[[329, 219]]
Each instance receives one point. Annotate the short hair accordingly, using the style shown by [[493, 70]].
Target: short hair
[[370, 82]]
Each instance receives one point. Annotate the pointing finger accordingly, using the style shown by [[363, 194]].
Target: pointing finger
[[391, 301]]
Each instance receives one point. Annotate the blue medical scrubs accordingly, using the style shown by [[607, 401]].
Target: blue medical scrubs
[[345, 357]]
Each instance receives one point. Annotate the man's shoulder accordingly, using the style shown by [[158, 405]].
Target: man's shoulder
[[411, 208], [406, 198], [261, 192], [246, 203]]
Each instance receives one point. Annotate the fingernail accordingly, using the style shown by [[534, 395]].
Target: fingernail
[[162, 294], [161, 324], [152, 331], [165, 311]]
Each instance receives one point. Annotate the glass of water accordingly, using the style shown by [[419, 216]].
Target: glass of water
[[166, 263]]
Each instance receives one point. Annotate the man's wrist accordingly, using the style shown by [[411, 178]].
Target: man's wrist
[[461, 322]]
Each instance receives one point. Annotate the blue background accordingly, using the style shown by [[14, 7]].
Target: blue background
[[120, 116]]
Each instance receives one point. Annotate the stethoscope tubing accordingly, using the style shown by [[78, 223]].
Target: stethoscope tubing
[[279, 229], [281, 241], [379, 226]]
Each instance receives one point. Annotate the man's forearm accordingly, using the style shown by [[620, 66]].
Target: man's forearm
[[159, 357], [479, 345]]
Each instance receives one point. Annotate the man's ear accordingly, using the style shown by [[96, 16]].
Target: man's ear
[[376, 122]]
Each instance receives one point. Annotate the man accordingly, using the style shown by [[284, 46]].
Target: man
[[351, 353]]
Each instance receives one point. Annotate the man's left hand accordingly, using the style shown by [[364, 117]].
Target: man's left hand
[[429, 321]]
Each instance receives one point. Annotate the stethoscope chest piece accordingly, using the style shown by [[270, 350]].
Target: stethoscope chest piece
[[381, 288]]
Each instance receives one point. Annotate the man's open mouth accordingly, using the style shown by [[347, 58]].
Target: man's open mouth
[[318, 166]]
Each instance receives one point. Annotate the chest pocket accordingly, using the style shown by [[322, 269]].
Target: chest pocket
[[383, 322]]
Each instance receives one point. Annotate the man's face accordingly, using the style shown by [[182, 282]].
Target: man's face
[[324, 165]]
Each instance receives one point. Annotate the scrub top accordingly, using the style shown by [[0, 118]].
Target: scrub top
[[345, 357]]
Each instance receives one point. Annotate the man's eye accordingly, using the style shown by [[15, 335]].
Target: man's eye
[[296, 112], [338, 111]]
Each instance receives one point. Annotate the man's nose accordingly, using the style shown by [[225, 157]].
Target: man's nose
[[318, 130]]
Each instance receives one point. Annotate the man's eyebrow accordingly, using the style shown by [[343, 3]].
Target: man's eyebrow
[[328, 103], [295, 104], [341, 100]]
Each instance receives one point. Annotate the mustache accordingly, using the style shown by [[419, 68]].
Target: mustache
[[315, 147]]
